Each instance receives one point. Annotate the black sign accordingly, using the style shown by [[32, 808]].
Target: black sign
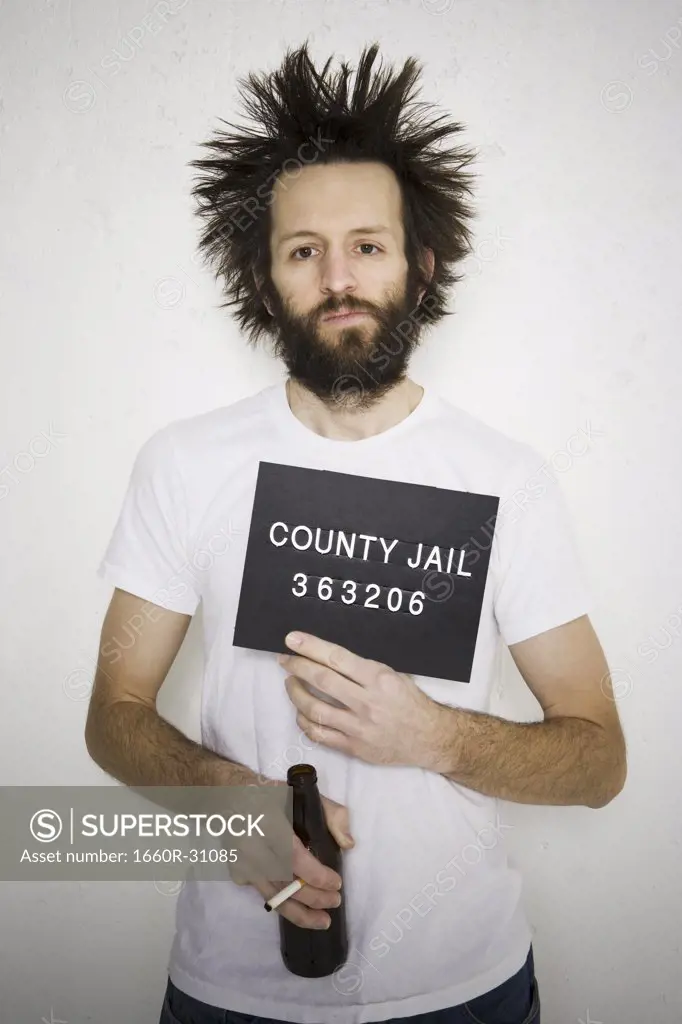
[[392, 571]]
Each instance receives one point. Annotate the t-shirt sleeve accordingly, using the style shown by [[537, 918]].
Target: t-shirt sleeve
[[147, 553], [540, 577]]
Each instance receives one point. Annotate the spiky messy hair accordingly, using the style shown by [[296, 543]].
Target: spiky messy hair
[[298, 111]]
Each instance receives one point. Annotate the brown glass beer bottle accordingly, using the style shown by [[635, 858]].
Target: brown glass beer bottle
[[311, 952]]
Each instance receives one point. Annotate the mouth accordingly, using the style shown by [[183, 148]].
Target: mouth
[[344, 318]]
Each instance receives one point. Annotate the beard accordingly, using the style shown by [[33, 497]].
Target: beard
[[353, 366]]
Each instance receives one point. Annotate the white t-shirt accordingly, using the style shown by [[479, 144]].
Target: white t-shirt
[[434, 910]]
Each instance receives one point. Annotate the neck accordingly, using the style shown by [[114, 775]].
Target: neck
[[331, 419]]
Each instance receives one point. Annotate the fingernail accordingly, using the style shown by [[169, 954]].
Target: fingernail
[[293, 639], [348, 839]]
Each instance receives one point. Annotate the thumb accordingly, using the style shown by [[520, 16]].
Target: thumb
[[337, 822]]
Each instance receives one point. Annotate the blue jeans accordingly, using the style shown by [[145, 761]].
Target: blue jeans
[[515, 1001]]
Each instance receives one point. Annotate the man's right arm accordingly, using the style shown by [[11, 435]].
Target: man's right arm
[[124, 733], [126, 736]]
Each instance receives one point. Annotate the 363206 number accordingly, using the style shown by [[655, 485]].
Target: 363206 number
[[349, 588]]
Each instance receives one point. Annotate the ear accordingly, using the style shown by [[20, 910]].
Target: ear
[[260, 280], [428, 263]]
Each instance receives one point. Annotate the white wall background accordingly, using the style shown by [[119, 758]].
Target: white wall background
[[568, 321]]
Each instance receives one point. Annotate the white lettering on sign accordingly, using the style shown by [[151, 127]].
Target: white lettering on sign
[[357, 545]]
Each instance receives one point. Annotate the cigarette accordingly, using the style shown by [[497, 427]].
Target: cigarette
[[284, 894]]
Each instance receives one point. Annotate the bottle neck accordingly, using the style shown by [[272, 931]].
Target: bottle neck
[[308, 813]]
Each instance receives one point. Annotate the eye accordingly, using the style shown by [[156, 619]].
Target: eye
[[301, 248], [309, 248]]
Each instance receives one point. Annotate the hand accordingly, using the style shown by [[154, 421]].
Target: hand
[[387, 719], [306, 907]]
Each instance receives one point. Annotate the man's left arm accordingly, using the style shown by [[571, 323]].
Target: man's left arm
[[577, 755]]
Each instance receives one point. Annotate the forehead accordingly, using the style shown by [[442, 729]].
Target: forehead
[[335, 199]]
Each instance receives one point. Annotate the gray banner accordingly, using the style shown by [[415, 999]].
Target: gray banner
[[160, 833]]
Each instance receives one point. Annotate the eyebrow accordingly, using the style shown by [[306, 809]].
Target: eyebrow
[[375, 229]]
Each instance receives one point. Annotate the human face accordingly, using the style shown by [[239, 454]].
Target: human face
[[337, 243]]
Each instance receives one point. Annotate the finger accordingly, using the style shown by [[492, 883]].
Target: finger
[[280, 834], [303, 916], [295, 908], [326, 737], [309, 896], [319, 711], [336, 817], [333, 656], [325, 680], [317, 899], [261, 857], [311, 870]]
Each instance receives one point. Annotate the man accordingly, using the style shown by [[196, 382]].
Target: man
[[339, 206]]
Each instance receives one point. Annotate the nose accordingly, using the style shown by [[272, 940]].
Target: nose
[[336, 274]]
